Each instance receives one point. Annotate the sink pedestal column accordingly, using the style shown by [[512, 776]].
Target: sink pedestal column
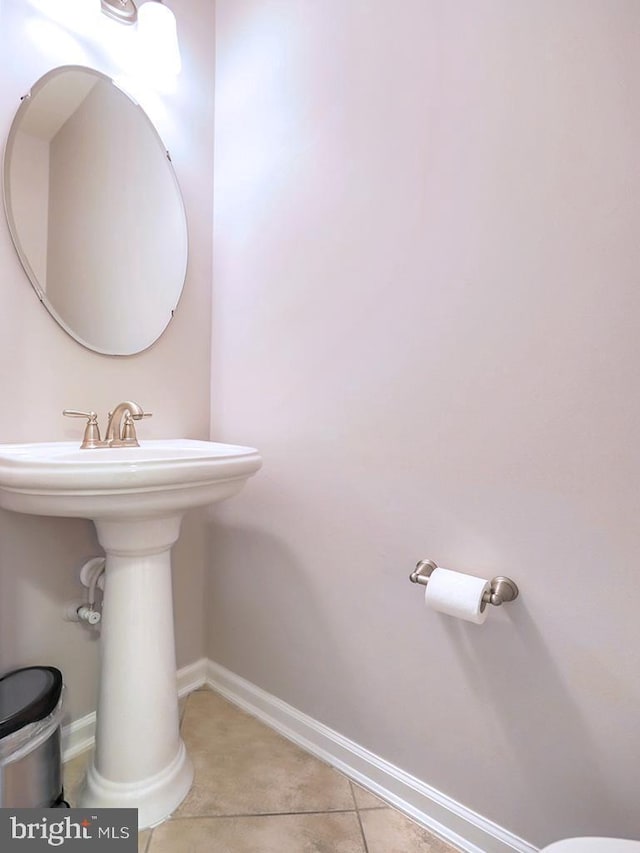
[[140, 760]]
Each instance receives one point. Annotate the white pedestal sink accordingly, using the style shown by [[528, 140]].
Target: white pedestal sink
[[136, 496]]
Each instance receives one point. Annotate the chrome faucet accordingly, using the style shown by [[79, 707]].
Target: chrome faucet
[[121, 431]]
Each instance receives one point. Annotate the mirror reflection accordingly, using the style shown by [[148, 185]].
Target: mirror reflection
[[95, 211]]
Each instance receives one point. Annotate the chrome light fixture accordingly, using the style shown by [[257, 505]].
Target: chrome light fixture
[[123, 11], [159, 36], [156, 26]]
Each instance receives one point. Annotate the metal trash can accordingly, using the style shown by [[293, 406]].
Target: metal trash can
[[30, 759]]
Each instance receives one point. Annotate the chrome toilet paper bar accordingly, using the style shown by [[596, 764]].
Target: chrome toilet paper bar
[[502, 589]]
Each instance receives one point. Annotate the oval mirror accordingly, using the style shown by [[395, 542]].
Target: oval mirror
[[95, 211]]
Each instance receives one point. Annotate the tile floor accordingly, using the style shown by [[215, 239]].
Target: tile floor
[[255, 792]]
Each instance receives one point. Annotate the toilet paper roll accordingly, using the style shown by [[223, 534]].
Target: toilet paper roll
[[457, 595]]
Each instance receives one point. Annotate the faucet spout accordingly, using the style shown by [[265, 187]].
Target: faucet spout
[[120, 428]]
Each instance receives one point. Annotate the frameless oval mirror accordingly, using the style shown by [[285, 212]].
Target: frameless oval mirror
[[95, 211]]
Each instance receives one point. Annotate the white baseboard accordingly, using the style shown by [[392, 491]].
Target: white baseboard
[[79, 735], [440, 814], [192, 676]]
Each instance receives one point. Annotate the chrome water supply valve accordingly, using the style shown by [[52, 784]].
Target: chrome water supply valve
[[91, 576]]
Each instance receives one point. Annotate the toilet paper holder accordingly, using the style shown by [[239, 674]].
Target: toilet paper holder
[[502, 589]]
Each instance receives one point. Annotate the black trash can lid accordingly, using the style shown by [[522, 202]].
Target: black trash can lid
[[28, 695]]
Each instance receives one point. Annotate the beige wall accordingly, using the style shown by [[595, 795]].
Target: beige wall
[[426, 313], [42, 370]]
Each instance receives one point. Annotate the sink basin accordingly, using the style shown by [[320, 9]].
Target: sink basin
[[136, 497], [57, 478]]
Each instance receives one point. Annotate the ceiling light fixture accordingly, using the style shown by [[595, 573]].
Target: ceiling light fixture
[[157, 31], [159, 37], [123, 11]]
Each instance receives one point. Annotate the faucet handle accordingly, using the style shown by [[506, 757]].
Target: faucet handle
[[91, 436], [74, 413], [129, 436], [129, 431]]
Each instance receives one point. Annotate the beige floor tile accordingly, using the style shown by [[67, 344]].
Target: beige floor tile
[[182, 706], [388, 831], [143, 840], [72, 775], [243, 768], [304, 833], [366, 800]]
